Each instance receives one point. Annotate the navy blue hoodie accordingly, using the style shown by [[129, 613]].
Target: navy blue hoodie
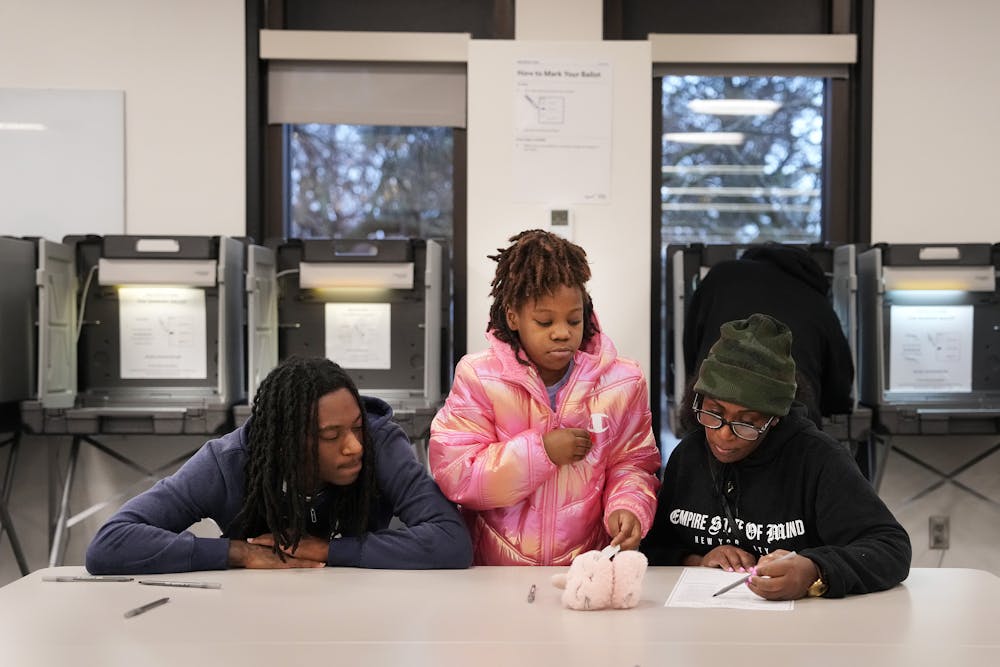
[[148, 534]]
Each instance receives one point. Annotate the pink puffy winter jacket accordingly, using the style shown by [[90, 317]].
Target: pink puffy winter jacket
[[486, 454]]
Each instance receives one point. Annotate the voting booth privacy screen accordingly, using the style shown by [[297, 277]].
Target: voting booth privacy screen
[[17, 317], [930, 336], [151, 334], [52, 301], [373, 306], [261, 317]]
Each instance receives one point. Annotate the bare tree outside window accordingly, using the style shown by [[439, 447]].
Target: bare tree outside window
[[364, 181], [742, 159], [742, 163]]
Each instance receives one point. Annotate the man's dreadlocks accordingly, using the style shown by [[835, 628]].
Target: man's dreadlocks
[[282, 454], [535, 265]]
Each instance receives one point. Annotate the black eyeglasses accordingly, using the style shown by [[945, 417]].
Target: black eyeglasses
[[741, 430]]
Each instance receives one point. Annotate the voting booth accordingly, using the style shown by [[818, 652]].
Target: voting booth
[[929, 339], [158, 338], [17, 316], [376, 307], [135, 335], [688, 264], [930, 335]]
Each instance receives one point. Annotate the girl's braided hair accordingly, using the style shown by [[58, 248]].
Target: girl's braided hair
[[536, 264]]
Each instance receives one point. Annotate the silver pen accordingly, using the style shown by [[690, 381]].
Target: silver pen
[[146, 607], [108, 577], [741, 580], [181, 584]]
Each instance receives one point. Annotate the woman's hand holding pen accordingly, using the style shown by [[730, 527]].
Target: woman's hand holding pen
[[567, 445], [777, 578]]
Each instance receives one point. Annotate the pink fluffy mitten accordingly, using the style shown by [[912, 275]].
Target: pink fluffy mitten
[[589, 582], [629, 569], [595, 581]]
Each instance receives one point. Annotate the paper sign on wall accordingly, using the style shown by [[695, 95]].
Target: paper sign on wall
[[562, 131]]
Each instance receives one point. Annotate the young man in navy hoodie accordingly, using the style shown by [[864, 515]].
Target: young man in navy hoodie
[[313, 478]]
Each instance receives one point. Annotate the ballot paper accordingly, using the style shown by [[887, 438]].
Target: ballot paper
[[696, 585]]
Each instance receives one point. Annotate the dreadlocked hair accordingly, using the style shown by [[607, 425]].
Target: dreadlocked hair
[[535, 265], [282, 445]]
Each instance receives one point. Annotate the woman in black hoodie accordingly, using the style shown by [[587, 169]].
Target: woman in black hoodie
[[786, 283], [759, 479]]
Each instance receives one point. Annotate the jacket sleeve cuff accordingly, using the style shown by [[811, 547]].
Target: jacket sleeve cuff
[[210, 553], [344, 551], [641, 512]]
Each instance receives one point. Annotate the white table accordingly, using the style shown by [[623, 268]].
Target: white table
[[940, 617]]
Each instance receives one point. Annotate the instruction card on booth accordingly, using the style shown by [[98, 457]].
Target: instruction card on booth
[[930, 348], [162, 333], [358, 335]]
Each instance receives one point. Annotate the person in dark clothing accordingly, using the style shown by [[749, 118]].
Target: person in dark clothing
[[760, 480], [786, 283], [313, 478]]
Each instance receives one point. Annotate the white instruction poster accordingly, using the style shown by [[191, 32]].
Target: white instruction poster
[[930, 348], [358, 334], [162, 333], [562, 131]]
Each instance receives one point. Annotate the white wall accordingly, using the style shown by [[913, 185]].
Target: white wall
[[935, 143], [181, 66], [615, 235]]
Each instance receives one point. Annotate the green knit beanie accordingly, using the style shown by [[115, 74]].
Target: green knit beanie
[[751, 365]]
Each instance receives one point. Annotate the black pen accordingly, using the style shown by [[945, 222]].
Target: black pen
[[742, 580], [180, 584], [146, 607], [108, 577]]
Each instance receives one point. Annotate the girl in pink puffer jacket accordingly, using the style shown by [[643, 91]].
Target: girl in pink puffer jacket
[[545, 439]]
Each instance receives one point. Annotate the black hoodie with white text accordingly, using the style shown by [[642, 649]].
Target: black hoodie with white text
[[798, 490]]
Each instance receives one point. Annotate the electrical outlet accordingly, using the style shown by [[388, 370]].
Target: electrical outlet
[[939, 529]]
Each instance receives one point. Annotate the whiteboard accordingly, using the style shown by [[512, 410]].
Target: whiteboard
[[62, 162]]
